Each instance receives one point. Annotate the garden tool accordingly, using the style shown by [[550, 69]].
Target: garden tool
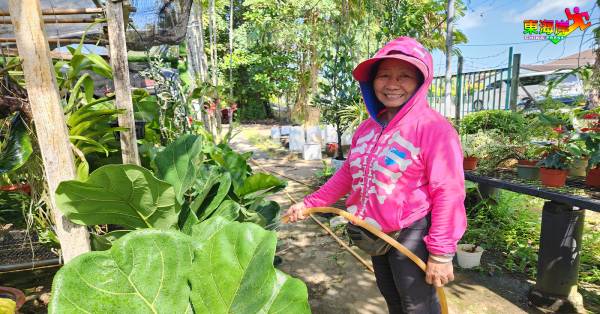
[[357, 221]]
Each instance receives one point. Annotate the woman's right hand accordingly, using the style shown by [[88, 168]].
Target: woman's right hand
[[294, 213]]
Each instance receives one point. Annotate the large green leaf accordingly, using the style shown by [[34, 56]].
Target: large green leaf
[[212, 186], [126, 195], [17, 148], [259, 183], [215, 197], [144, 272], [236, 164], [229, 210], [225, 267], [178, 163], [233, 272]]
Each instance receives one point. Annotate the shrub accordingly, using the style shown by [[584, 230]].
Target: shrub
[[506, 122]]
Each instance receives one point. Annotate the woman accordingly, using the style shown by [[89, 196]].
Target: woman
[[404, 175]]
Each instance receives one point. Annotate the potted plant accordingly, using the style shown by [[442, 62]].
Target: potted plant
[[555, 166], [470, 151], [469, 255], [527, 159], [591, 137]]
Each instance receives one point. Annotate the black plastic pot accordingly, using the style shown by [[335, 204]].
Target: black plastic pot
[[140, 130]]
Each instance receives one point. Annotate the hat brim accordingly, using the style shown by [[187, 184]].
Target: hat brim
[[362, 72]]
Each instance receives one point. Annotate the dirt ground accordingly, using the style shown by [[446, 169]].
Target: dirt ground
[[336, 281]]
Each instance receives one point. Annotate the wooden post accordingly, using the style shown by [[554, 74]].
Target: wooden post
[[120, 66], [48, 116]]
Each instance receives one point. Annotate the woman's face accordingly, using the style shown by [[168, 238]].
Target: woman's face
[[395, 82]]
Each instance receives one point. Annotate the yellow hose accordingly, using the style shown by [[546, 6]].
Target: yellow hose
[[359, 222]]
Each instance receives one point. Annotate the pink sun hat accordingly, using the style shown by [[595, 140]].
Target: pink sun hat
[[402, 48]]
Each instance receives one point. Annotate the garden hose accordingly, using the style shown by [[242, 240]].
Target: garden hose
[[359, 222]]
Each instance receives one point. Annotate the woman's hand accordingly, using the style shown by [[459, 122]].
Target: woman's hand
[[438, 274], [295, 212]]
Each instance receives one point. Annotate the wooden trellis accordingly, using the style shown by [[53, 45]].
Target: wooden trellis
[[51, 130]]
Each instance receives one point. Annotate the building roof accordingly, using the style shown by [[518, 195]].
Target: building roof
[[568, 62]]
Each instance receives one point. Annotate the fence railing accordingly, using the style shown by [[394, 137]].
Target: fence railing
[[475, 91]]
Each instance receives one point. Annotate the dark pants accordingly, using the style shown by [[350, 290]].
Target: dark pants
[[400, 280]]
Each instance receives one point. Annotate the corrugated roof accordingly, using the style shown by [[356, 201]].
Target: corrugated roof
[[568, 62]]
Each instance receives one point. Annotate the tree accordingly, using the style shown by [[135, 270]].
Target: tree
[[338, 88]]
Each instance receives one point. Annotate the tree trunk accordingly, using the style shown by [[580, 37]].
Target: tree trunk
[[448, 74], [231, 50], [202, 56], [338, 131]]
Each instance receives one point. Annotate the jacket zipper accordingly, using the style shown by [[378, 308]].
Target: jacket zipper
[[368, 171]]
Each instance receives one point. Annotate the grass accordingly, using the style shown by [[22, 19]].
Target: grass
[[509, 228], [264, 143]]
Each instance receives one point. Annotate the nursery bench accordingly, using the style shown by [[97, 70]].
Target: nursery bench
[[560, 238]]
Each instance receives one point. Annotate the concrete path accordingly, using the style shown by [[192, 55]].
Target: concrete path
[[337, 282]]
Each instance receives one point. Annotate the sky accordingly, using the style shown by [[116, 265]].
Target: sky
[[492, 26]]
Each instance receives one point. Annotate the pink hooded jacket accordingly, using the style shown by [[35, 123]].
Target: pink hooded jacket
[[397, 174]]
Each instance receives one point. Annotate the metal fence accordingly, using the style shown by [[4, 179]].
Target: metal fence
[[475, 91]]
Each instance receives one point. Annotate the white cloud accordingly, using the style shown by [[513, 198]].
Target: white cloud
[[548, 8]]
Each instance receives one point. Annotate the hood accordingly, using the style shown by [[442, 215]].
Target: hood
[[403, 48]]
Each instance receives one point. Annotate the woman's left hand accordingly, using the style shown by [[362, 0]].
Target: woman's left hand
[[438, 274]]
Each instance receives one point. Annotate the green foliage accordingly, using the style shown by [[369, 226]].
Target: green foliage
[[13, 208], [507, 227], [216, 269], [324, 174], [179, 163], [126, 195], [16, 148], [423, 20], [508, 123], [338, 88], [557, 159], [201, 181]]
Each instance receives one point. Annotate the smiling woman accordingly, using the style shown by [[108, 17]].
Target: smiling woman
[[395, 82], [405, 178]]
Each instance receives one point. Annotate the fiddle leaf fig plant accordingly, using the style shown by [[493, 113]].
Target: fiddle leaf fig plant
[[179, 163], [126, 195], [224, 267]]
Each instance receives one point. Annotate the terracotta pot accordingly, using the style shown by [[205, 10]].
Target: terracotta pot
[[25, 188], [593, 177], [330, 149], [553, 177], [15, 294], [527, 162], [470, 163]]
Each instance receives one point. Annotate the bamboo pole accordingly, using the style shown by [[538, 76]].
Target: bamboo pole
[[118, 61], [50, 20], [48, 116], [56, 40], [64, 11], [53, 54]]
